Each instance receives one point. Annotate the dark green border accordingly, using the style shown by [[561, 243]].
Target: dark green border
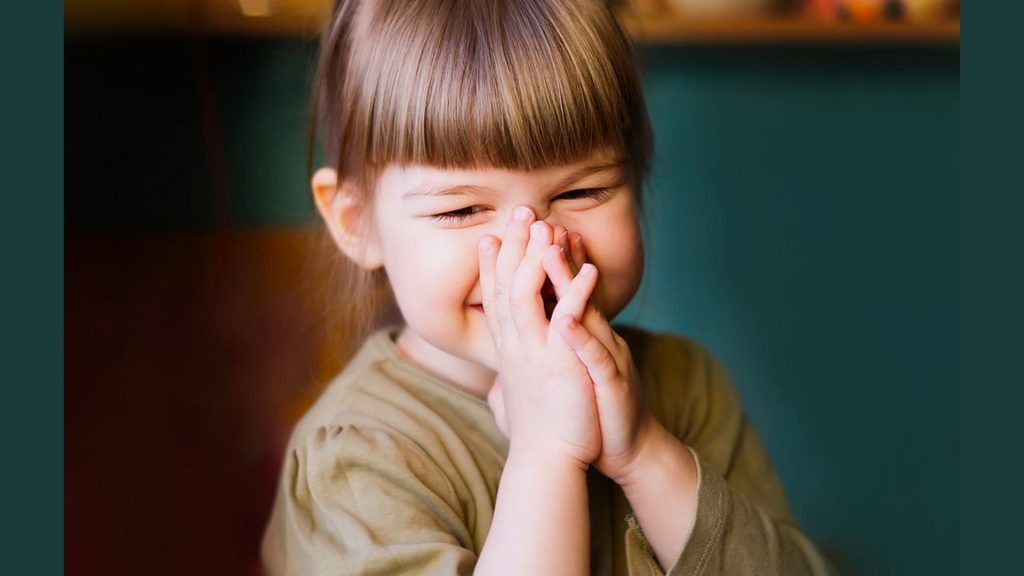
[[32, 237], [992, 285]]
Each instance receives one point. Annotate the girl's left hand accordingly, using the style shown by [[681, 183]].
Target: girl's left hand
[[625, 420], [548, 409]]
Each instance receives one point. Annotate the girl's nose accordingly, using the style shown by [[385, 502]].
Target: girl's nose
[[540, 214], [546, 214], [552, 220]]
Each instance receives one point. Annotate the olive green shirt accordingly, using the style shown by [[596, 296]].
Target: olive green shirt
[[396, 471]]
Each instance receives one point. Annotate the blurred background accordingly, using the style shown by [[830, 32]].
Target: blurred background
[[802, 222]]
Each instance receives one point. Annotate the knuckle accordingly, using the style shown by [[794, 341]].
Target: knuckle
[[516, 295], [621, 342], [519, 299], [605, 362]]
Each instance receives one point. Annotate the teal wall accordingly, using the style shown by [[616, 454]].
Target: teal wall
[[802, 224]]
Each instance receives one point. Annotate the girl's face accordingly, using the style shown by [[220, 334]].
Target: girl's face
[[427, 223]]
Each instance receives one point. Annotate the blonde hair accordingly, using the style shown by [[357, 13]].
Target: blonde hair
[[516, 84]]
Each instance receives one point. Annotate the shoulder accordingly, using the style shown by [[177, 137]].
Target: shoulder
[[384, 428], [352, 498], [367, 429], [356, 462], [661, 356], [379, 389], [351, 393], [685, 385], [660, 347]]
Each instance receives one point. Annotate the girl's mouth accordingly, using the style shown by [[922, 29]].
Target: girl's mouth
[[547, 292]]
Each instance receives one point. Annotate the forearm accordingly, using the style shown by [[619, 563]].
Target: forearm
[[541, 522], [662, 491], [736, 536]]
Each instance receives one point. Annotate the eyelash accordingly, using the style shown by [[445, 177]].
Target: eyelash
[[459, 216]]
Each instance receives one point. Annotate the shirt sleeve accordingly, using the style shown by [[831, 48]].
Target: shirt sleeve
[[364, 501], [744, 524]]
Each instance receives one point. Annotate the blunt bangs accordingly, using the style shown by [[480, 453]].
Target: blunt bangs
[[457, 84]]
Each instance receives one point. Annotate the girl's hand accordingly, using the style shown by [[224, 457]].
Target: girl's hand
[[572, 245], [548, 398], [627, 425]]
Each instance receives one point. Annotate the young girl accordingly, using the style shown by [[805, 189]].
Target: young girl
[[486, 158]]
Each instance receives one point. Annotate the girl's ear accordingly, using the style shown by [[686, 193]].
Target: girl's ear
[[342, 211]]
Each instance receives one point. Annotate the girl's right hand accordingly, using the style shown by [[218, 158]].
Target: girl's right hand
[[548, 398]]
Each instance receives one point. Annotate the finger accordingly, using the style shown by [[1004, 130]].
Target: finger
[[525, 300], [592, 352], [561, 235], [488, 254], [513, 247], [594, 320], [557, 268], [577, 253], [562, 239], [597, 324], [574, 299]]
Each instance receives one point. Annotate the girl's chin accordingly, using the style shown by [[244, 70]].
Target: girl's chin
[[487, 357]]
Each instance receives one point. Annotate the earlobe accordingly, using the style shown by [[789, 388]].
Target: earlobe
[[343, 211]]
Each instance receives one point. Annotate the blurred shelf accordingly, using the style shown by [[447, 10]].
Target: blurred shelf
[[674, 29], [305, 18], [252, 18]]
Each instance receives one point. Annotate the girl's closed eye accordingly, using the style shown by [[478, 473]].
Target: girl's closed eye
[[455, 217], [462, 215], [597, 195]]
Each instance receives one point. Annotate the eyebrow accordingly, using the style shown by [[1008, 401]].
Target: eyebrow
[[440, 191], [589, 171], [468, 189]]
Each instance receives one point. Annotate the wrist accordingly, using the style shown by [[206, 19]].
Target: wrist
[[662, 490], [544, 455], [657, 446]]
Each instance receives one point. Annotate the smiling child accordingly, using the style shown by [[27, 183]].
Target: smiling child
[[487, 160]]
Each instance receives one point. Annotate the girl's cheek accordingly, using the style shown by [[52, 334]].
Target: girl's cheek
[[453, 253]]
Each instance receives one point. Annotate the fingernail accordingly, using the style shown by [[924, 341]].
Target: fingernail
[[558, 249], [587, 269], [535, 229], [486, 244], [522, 213]]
